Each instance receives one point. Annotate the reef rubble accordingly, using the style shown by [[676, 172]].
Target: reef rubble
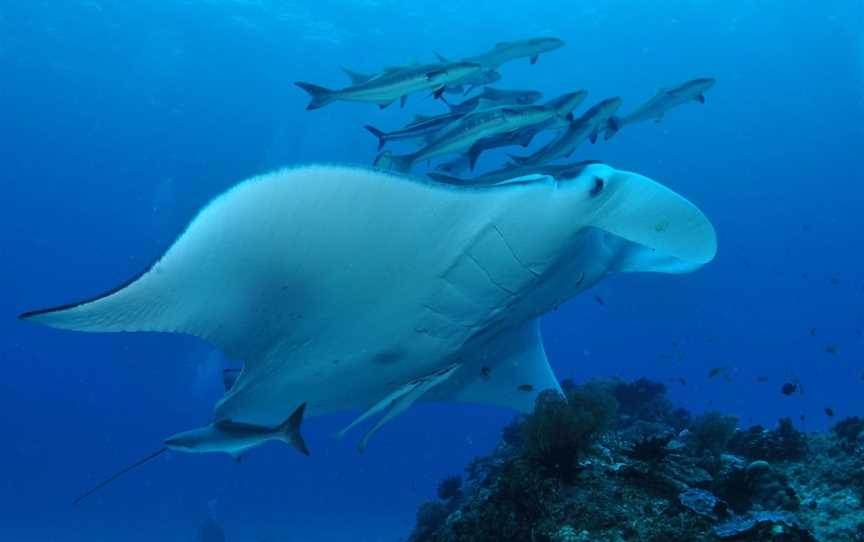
[[615, 461]]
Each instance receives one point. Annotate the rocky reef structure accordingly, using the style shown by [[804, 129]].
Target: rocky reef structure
[[615, 461]]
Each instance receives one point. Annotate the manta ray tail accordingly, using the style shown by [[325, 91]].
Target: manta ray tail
[[103, 483]]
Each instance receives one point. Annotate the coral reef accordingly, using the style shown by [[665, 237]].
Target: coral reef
[[612, 461], [781, 444]]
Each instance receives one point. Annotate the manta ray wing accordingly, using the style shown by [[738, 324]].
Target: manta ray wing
[[340, 286]]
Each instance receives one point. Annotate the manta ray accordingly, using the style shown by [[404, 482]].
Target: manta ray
[[345, 288]]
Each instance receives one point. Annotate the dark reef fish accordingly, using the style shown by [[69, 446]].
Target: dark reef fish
[[392, 84], [665, 99], [789, 388], [716, 371]]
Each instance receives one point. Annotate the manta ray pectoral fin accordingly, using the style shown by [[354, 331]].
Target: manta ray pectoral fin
[[513, 370], [399, 401]]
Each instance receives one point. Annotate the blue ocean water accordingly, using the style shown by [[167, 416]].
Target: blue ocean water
[[120, 118]]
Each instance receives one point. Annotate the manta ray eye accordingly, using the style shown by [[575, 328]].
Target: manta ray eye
[[597, 188]]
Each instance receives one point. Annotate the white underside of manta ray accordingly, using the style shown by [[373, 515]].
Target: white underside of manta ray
[[347, 288]]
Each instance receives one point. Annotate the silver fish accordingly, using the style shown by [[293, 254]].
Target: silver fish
[[422, 127], [665, 99], [393, 84], [585, 127], [492, 97], [506, 51], [524, 136], [479, 125]]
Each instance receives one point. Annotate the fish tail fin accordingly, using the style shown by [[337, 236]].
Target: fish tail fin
[[320, 96], [612, 127], [473, 154], [382, 136], [289, 430]]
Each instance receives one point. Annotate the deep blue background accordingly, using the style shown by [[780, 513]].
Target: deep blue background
[[120, 118]]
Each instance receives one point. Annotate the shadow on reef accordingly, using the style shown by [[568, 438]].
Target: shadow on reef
[[612, 461]]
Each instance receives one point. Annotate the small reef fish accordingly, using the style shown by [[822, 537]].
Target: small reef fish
[[789, 388]]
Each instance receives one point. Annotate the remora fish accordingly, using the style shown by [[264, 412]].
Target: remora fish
[[421, 127], [393, 84], [506, 51], [492, 97], [454, 166], [558, 171], [465, 86], [483, 124], [524, 136], [585, 127], [235, 438], [663, 101]]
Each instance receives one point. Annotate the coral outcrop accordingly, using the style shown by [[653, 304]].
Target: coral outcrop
[[614, 461]]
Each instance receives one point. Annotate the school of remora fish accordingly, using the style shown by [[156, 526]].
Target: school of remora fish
[[493, 117]]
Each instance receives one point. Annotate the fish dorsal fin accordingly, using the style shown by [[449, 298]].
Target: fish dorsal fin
[[399, 401], [440, 57], [510, 372], [356, 77]]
